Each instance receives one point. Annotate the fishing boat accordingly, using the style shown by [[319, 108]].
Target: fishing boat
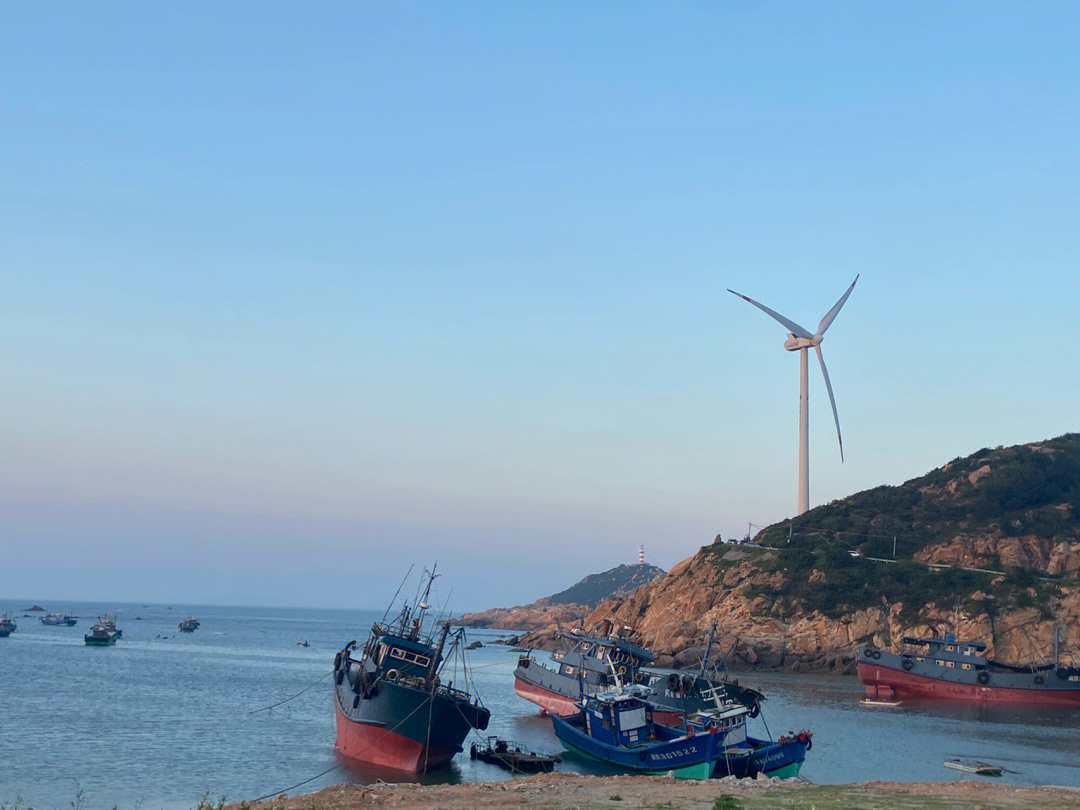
[[104, 633], [391, 706], [616, 726], [744, 755], [513, 756], [585, 664], [7, 625], [60, 619], [947, 669], [189, 624]]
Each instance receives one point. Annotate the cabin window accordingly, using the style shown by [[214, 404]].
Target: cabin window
[[966, 666], [569, 670], [919, 658], [949, 648], [411, 657], [950, 664], [940, 663]]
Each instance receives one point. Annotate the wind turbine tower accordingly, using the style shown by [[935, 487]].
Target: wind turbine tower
[[800, 340]]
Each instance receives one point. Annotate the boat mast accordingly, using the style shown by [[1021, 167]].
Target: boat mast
[[708, 651], [422, 605], [438, 651]]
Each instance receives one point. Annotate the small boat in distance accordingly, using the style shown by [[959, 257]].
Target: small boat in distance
[[60, 619], [513, 757], [391, 706], [7, 625], [189, 624], [104, 633]]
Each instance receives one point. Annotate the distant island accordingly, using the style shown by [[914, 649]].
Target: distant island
[[570, 606], [987, 545]]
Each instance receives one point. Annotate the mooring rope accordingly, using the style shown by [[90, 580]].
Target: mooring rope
[[274, 793], [311, 685]]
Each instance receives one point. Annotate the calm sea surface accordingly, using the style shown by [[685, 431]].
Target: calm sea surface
[[158, 722]]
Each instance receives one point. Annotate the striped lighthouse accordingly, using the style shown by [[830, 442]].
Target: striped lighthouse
[[641, 554]]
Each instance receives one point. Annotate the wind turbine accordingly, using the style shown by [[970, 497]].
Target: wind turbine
[[800, 340]]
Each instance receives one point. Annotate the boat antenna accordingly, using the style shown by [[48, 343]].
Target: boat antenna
[[399, 587], [421, 606]]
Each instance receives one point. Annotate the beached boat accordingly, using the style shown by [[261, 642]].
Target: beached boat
[[616, 727], [513, 756], [104, 633], [587, 664], [189, 624], [974, 766], [744, 755], [60, 619], [7, 625], [947, 669], [391, 706]]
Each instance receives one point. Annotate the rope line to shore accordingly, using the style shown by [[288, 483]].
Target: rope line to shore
[[298, 694], [340, 764]]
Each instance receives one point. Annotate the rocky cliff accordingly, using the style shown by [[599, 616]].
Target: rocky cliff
[[987, 546]]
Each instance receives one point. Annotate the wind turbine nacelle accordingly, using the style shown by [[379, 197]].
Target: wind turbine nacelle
[[795, 344]]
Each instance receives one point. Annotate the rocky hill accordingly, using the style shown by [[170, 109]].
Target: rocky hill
[[988, 545], [595, 588], [570, 606]]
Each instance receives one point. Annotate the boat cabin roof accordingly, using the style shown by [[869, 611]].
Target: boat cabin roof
[[934, 644], [615, 643], [406, 644]]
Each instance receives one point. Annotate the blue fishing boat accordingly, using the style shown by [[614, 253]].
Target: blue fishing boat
[[616, 727], [746, 756]]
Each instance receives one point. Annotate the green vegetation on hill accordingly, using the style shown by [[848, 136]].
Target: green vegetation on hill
[[1031, 491], [619, 581]]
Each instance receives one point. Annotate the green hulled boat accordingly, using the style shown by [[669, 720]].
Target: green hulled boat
[[104, 633]]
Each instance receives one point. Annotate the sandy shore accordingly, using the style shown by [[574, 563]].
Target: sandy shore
[[561, 791]]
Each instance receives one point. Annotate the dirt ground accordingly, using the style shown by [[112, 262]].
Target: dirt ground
[[564, 791]]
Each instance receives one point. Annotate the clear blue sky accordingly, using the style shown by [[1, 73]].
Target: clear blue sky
[[293, 296]]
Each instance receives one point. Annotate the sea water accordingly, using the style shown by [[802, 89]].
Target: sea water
[[164, 718]]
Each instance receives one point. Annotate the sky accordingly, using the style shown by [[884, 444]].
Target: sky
[[294, 296]]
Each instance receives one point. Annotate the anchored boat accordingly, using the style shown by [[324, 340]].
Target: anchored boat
[[513, 756], [60, 619], [744, 755], [616, 726], [588, 664], [7, 625], [391, 706], [945, 668], [104, 633], [189, 624]]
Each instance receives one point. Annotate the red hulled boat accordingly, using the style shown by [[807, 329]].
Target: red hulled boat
[[947, 669]]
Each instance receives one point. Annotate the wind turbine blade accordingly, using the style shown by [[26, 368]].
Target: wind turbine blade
[[832, 400], [830, 316], [792, 327]]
